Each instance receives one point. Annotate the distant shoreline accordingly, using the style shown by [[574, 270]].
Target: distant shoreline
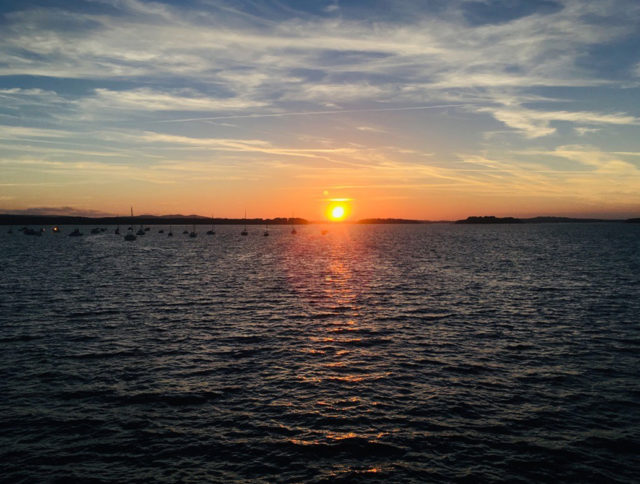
[[11, 219]]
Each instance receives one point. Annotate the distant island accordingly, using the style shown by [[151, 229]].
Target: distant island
[[30, 219], [490, 219], [9, 219], [392, 221]]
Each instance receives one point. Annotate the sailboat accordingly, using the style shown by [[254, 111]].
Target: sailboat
[[130, 235], [244, 231], [266, 230], [193, 234], [212, 231], [170, 234], [293, 227]]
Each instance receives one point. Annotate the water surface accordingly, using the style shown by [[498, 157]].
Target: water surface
[[429, 353]]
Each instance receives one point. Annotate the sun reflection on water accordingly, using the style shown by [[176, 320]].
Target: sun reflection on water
[[336, 360]]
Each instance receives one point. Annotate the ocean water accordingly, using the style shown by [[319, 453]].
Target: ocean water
[[429, 353]]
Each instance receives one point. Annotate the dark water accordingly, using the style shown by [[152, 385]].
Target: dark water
[[373, 353]]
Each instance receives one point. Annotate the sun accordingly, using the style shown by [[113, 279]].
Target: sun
[[337, 213]]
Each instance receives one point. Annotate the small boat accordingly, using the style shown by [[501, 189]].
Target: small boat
[[244, 231], [170, 234], [141, 230], [161, 231], [55, 230], [185, 231], [117, 231], [95, 231], [193, 234], [130, 237], [75, 233], [10, 230], [212, 231], [266, 231]]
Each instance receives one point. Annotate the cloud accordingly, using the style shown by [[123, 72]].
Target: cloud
[[14, 132], [582, 131], [145, 99], [370, 129], [592, 160], [534, 124]]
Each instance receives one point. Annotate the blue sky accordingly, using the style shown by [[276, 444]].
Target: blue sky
[[433, 109]]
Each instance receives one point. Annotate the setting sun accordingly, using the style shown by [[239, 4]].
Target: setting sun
[[337, 213]]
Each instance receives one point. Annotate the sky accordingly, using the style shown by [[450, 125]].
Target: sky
[[436, 110]]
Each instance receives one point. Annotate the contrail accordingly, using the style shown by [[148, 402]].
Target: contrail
[[306, 113]]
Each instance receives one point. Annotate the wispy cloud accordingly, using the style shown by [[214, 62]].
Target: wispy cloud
[[534, 124], [145, 99]]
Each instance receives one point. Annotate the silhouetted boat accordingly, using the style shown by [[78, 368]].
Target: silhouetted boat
[[212, 231], [161, 231], [10, 230], [141, 230], [95, 231], [266, 231], [75, 233], [130, 235], [185, 231], [170, 234], [193, 234], [244, 231], [117, 231]]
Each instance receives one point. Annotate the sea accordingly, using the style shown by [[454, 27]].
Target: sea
[[370, 353]]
